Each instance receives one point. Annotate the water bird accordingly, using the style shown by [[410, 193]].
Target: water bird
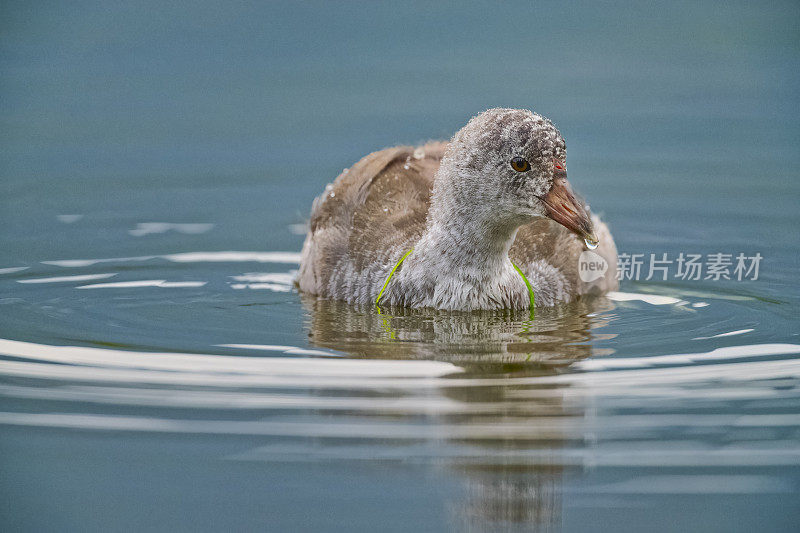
[[487, 220]]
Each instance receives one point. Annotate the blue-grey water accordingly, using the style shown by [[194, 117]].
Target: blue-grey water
[[158, 371]]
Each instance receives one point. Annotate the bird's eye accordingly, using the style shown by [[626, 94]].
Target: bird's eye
[[520, 165]]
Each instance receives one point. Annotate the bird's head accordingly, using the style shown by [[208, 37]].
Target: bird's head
[[511, 164]]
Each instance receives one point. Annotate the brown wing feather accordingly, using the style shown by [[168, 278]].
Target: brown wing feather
[[370, 211], [546, 240]]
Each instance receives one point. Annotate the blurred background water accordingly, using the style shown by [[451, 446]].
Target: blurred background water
[[158, 370]]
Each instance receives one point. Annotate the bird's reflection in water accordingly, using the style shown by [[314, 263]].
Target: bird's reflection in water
[[482, 342], [508, 476]]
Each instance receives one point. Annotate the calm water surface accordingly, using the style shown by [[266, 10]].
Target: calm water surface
[[158, 371]]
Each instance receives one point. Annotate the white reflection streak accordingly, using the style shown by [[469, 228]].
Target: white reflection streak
[[77, 263], [60, 279], [359, 378], [284, 278], [185, 363], [291, 350], [11, 270], [143, 283], [660, 454], [234, 257], [274, 287], [287, 429], [273, 281], [250, 400], [719, 354], [695, 484], [146, 228], [537, 429], [211, 399], [728, 334], [190, 257], [652, 299]]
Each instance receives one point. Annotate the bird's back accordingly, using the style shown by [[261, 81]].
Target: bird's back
[[366, 219]]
